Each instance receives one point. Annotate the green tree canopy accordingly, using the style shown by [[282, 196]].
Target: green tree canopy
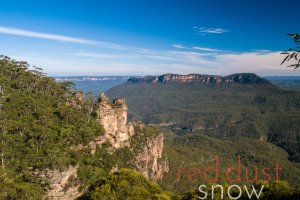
[[126, 184]]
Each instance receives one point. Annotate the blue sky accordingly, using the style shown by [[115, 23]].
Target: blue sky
[[149, 37]]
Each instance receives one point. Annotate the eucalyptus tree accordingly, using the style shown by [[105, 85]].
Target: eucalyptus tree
[[293, 54]]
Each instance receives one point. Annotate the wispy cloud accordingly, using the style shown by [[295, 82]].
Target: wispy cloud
[[208, 49], [179, 46], [124, 60], [61, 38], [251, 62], [160, 61], [102, 55], [263, 51], [205, 30]]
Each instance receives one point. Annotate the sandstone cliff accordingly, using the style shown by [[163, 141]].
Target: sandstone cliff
[[150, 162], [113, 118], [212, 79], [76, 100], [119, 133], [146, 144], [62, 184]]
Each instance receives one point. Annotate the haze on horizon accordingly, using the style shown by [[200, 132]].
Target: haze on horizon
[[100, 38]]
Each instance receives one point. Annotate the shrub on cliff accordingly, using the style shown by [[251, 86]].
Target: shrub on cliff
[[126, 184], [37, 128]]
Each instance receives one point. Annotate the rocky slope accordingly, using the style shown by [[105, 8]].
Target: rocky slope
[[149, 159], [147, 162], [234, 78], [61, 186], [242, 105], [113, 118]]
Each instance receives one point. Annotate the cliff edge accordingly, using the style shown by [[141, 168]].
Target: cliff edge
[[213, 79]]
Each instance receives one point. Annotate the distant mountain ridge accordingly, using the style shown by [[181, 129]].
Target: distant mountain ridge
[[235, 105], [94, 84], [214, 79], [89, 78]]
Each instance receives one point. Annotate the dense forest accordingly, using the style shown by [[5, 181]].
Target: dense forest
[[42, 122], [255, 110], [258, 121]]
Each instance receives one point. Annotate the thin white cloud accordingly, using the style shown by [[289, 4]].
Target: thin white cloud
[[159, 62], [210, 30], [102, 55], [207, 49], [162, 56], [135, 60], [263, 51], [61, 38], [250, 62], [191, 58], [179, 46]]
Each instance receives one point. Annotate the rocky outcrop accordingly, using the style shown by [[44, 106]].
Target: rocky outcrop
[[212, 79], [113, 118], [62, 185], [189, 78], [76, 100], [149, 159], [244, 78], [150, 162]]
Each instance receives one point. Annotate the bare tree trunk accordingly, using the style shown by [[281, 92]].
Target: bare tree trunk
[[90, 109], [2, 157], [2, 128], [89, 117]]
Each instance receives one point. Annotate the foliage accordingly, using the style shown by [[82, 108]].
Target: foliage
[[224, 120], [286, 82], [273, 190], [257, 111], [276, 190], [38, 127], [199, 151], [293, 53], [142, 134], [16, 188], [126, 184], [42, 124]]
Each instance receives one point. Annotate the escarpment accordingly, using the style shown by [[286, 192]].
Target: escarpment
[[201, 78], [148, 160], [145, 143], [62, 184], [113, 118]]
